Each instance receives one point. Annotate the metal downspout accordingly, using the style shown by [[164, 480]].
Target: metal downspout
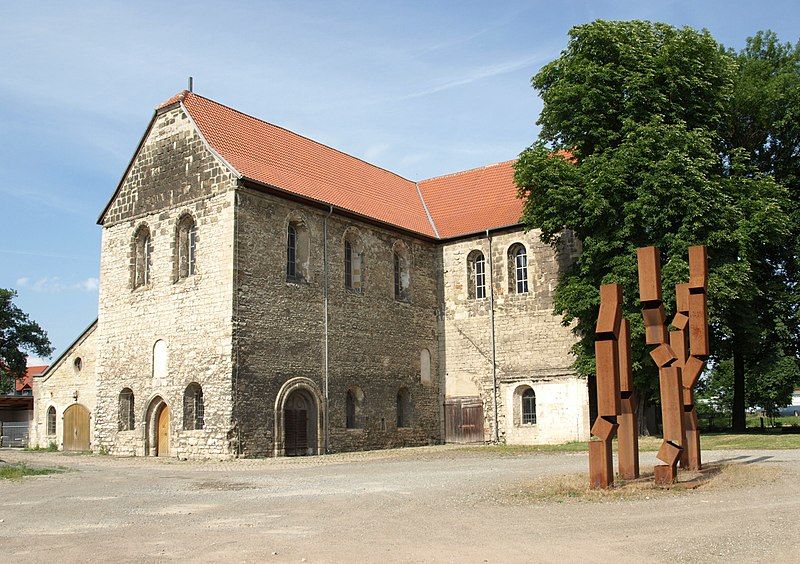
[[494, 357], [325, 319]]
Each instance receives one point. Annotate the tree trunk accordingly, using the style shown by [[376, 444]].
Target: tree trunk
[[739, 421]]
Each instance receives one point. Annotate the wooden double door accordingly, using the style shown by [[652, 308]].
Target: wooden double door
[[463, 420], [76, 428]]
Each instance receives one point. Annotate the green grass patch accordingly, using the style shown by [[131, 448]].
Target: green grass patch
[[18, 471], [708, 441], [52, 447]]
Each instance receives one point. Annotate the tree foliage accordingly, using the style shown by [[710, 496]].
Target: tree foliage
[[633, 152], [19, 336]]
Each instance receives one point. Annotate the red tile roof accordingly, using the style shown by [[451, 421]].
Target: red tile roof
[[27, 380], [461, 203]]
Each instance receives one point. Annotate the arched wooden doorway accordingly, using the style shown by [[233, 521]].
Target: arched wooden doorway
[[76, 428], [158, 428], [299, 419]]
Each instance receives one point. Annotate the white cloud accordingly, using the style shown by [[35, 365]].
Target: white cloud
[[54, 285], [22, 282], [374, 151]]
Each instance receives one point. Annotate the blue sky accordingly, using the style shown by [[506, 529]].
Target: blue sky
[[421, 88]]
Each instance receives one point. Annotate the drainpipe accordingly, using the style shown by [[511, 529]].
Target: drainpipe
[[325, 319], [494, 358]]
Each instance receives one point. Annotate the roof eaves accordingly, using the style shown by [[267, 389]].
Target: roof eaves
[[427, 211]]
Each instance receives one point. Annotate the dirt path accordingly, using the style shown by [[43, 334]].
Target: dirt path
[[428, 504]]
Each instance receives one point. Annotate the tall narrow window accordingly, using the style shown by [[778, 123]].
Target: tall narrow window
[[476, 273], [51, 420], [193, 408], [528, 407], [291, 252], [348, 265], [141, 257], [403, 408], [186, 243], [398, 287], [518, 269], [126, 410], [402, 276]]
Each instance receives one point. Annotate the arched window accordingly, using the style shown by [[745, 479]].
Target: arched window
[[355, 399], [126, 410], [476, 275], [353, 264], [403, 408], [528, 407], [142, 249], [186, 242], [402, 275], [51, 420], [77, 364], [160, 360], [425, 366], [193, 408], [517, 269], [297, 252]]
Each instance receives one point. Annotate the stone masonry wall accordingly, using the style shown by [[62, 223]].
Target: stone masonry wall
[[58, 387], [173, 174], [532, 347], [374, 341]]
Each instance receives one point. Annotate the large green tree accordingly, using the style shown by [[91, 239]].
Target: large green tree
[[19, 336], [763, 119], [631, 154]]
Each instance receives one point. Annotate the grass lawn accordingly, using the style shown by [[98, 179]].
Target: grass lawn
[[17, 471], [708, 441]]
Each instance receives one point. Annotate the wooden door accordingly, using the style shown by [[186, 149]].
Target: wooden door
[[162, 443], [76, 428], [463, 420], [295, 426]]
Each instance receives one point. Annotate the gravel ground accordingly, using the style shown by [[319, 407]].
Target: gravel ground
[[424, 504]]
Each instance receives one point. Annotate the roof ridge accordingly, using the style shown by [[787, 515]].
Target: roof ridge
[[427, 211], [467, 170], [186, 92]]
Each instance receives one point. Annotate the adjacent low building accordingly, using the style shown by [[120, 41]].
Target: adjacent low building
[[262, 294]]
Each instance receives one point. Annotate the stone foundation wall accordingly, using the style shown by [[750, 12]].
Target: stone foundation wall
[[531, 345], [172, 175], [374, 341]]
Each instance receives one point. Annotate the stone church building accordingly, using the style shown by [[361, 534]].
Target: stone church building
[[263, 294]]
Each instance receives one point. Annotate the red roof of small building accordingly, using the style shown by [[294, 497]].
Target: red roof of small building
[[27, 380], [446, 206]]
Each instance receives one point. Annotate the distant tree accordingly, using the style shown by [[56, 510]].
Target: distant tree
[[19, 336], [630, 154]]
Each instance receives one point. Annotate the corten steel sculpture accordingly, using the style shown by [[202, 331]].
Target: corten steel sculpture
[[692, 300], [669, 373], [628, 432], [606, 347]]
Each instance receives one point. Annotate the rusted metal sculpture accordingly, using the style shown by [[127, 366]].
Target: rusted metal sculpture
[[628, 432], [606, 348], [669, 373], [694, 301]]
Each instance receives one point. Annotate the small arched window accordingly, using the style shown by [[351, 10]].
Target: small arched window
[[476, 275], [403, 408], [354, 401], [193, 408], [517, 269], [186, 243], [77, 364], [402, 274], [528, 407], [142, 250], [126, 410], [51, 420]]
